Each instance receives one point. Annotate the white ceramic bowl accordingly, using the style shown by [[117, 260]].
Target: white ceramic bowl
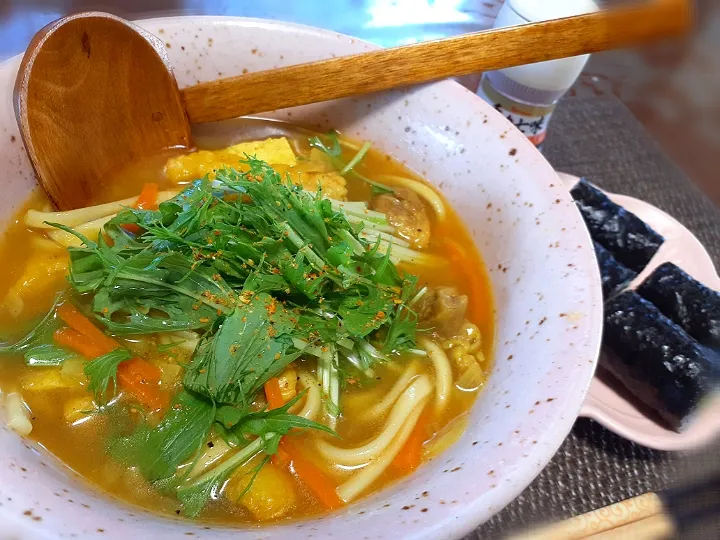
[[546, 285]]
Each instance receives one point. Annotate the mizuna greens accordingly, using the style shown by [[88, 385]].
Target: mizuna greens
[[265, 272]]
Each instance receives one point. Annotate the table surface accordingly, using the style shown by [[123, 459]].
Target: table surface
[[596, 137]]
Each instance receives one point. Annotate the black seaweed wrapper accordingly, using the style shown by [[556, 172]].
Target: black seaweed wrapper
[[614, 275], [655, 359], [626, 236], [689, 303]]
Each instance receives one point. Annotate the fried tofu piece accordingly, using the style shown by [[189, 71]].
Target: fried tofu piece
[[274, 151], [318, 172], [313, 173], [319, 161], [44, 272], [189, 167], [79, 409], [43, 380], [271, 495], [332, 184]]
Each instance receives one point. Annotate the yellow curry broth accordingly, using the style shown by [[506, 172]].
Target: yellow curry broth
[[83, 446]]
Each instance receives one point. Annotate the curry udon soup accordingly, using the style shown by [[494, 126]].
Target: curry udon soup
[[268, 331]]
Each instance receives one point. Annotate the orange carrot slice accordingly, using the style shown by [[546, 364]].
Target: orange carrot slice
[[410, 455], [273, 394], [70, 315], [77, 342], [147, 200], [320, 485], [136, 376], [289, 456], [141, 379]]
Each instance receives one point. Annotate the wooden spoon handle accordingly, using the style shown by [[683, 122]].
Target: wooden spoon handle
[[401, 66]]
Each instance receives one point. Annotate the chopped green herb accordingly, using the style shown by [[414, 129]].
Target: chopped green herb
[[157, 452], [248, 349], [403, 328], [167, 347], [46, 354], [334, 152], [102, 370]]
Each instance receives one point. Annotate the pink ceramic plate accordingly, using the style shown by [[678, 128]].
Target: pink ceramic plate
[[607, 403]]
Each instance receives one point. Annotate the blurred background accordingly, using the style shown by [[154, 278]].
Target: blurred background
[[672, 88]]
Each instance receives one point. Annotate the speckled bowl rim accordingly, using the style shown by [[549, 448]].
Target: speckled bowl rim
[[470, 513]]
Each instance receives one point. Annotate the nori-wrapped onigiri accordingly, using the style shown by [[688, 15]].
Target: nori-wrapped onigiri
[[626, 236], [614, 275], [655, 359], [692, 305]]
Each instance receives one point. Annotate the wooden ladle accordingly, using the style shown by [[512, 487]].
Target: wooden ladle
[[95, 92]]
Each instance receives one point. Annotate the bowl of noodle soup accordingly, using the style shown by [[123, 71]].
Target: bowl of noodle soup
[[477, 338]]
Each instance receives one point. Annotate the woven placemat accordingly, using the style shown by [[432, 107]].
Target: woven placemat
[[600, 139]]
